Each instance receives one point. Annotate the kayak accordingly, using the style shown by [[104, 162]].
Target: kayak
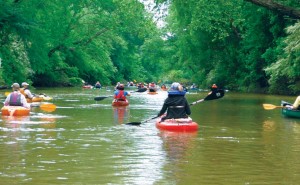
[[87, 87], [177, 125], [39, 98], [119, 103], [143, 89], [34, 99], [152, 93], [289, 112], [15, 111]]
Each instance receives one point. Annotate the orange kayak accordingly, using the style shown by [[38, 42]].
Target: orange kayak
[[35, 99], [177, 125], [15, 111], [116, 102]]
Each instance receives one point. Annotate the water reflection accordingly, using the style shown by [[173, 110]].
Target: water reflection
[[121, 115], [177, 144]]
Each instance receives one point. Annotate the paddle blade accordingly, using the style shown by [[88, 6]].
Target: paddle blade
[[100, 98], [6, 93], [215, 95], [138, 123], [270, 106], [134, 123], [141, 90], [48, 107]]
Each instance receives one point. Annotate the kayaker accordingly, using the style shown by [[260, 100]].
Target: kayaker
[[140, 86], [16, 98], [295, 104], [98, 85], [152, 87], [117, 86], [176, 104], [120, 94], [163, 87], [25, 91], [213, 89]]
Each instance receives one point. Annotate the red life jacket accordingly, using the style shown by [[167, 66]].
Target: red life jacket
[[120, 95], [15, 99]]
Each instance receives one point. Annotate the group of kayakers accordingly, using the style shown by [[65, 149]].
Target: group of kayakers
[[175, 105]]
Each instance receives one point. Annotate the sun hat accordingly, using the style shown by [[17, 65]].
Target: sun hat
[[24, 83], [15, 86]]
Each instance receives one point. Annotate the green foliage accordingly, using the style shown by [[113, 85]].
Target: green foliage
[[234, 44], [285, 72]]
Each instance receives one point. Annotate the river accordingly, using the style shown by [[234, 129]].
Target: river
[[85, 142]]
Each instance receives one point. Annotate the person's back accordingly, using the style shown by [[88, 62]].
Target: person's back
[[176, 104], [25, 91], [120, 94], [98, 85]]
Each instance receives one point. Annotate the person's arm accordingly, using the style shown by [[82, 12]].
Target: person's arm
[[6, 102], [28, 93], [24, 102], [296, 103], [163, 109]]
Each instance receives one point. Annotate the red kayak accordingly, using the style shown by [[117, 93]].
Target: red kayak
[[177, 125], [119, 103]]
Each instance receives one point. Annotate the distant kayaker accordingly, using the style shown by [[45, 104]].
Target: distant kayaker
[[140, 86], [120, 94], [16, 98], [25, 91], [98, 85], [163, 87], [176, 104], [152, 87], [213, 89], [117, 86]]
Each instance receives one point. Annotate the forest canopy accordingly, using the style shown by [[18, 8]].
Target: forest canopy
[[242, 45]]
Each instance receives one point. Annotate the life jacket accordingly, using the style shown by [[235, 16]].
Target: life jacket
[[120, 96], [174, 93], [15, 99]]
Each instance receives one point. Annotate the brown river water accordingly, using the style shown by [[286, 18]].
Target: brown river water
[[85, 142]]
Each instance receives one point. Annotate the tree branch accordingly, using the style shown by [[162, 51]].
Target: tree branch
[[271, 5]]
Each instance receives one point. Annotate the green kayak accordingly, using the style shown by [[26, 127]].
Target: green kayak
[[289, 112]]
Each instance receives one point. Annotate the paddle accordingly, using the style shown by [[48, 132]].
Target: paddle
[[48, 107], [7, 93], [270, 106], [212, 96], [101, 97]]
